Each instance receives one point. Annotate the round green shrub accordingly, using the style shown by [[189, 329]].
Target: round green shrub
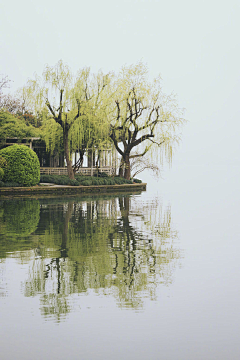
[[1, 173], [22, 165], [3, 162]]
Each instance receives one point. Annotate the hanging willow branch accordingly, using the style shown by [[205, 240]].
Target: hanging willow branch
[[144, 118]]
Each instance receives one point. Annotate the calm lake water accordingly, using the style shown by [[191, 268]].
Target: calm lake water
[[142, 276]]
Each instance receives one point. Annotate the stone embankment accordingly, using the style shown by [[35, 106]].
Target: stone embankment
[[51, 189]]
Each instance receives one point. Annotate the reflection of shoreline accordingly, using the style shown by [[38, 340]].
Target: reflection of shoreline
[[66, 197], [121, 246]]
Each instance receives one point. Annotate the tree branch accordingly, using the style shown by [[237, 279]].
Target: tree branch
[[113, 137], [158, 144], [50, 109], [141, 139]]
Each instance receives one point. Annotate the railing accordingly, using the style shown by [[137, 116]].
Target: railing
[[110, 170]]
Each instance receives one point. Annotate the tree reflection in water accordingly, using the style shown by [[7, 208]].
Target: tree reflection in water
[[119, 246]]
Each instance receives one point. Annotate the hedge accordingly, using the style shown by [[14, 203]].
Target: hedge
[[83, 180], [137, 181]]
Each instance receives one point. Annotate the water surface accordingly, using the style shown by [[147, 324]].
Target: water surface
[[154, 275]]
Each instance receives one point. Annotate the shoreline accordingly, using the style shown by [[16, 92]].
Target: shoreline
[[6, 192]]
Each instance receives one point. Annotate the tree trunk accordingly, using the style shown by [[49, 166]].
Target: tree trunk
[[66, 154], [81, 153], [127, 172], [121, 168]]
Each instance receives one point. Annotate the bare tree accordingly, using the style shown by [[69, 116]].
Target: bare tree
[[4, 82], [15, 104]]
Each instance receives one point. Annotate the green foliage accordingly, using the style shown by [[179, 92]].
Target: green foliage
[[73, 182], [119, 180], [143, 117], [29, 119], [58, 180], [3, 162], [73, 109], [52, 134], [11, 126], [101, 174], [1, 173], [96, 181], [62, 180], [83, 180], [86, 183], [22, 165], [99, 181], [47, 178], [138, 181], [9, 184], [111, 181]]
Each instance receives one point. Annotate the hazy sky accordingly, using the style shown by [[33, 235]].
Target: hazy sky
[[194, 45]]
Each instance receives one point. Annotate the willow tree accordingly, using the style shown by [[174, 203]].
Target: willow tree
[[90, 131], [71, 106], [143, 118]]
